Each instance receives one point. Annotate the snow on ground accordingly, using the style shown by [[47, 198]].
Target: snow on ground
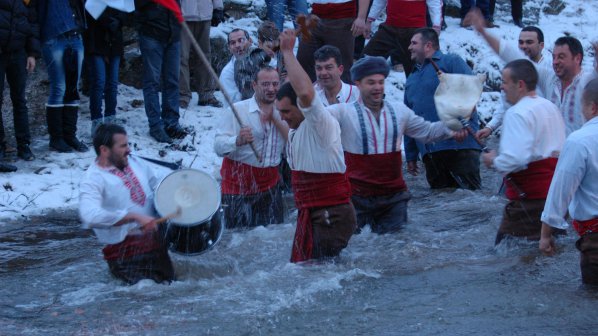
[[51, 181]]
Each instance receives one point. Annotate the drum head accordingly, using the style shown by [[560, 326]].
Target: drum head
[[195, 192]]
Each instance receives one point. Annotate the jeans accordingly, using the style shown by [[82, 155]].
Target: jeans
[[12, 65], [483, 5], [64, 58], [161, 62], [384, 214], [103, 75], [276, 10]]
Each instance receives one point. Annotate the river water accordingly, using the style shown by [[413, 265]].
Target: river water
[[440, 275]]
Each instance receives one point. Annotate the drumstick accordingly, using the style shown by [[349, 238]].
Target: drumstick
[[171, 216]]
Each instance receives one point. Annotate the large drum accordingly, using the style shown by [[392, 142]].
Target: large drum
[[198, 226]]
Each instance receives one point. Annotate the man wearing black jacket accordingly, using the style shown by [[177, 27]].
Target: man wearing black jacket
[[19, 45]]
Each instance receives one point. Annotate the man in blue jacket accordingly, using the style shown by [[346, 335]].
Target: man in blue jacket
[[448, 163]]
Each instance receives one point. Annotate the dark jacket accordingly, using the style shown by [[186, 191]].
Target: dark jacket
[[18, 27], [157, 21], [57, 17], [104, 36]]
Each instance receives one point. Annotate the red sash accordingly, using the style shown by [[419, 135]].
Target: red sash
[[587, 226], [242, 179], [375, 174], [343, 10], [132, 245], [533, 182], [314, 190], [406, 14]]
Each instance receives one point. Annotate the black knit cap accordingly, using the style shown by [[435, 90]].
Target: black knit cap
[[369, 65]]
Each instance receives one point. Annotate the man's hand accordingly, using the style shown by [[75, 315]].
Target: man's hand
[[483, 133], [412, 168], [546, 244], [475, 18], [30, 64], [146, 223], [460, 135], [488, 158], [359, 27], [287, 40], [245, 136], [217, 17]]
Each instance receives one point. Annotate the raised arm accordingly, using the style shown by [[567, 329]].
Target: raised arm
[[475, 18], [298, 78]]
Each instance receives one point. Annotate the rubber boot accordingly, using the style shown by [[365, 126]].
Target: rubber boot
[[70, 115], [54, 120]]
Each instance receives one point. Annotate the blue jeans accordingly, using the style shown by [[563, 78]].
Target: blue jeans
[[276, 9], [483, 5], [160, 73], [63, 56], [13, 66], [103, 75]]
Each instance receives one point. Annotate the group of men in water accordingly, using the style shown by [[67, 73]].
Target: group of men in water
[[342, 142]]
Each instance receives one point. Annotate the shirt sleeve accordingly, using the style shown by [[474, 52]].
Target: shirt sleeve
[[515, 144], [227, 79], [567, 178], [435, 10], [499, 114], [420, 129], [321, 120], [225, 141], [91, 212], [377, 7]]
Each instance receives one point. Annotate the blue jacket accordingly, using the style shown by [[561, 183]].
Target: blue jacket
[[419, 96], [57, 17]]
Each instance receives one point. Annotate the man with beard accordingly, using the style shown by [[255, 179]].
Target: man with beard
[[532, 138], [329, 86], [116, 200], [251, 195], [239, 42], [563, 84], [449, 164]]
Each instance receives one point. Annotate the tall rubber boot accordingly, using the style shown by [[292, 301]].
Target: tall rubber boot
[[70, 115], [54, 120]]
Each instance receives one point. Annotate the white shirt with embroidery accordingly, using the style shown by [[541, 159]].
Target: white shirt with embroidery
[[348, 94]]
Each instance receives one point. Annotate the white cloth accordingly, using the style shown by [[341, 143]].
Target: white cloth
[[104, 200], [395, 120], [267, 139], [551, 87], [97, 7], [434, 8], [227, 79], [315, 146], [348, 93], [498, 115], [533, 130], [575, 181]]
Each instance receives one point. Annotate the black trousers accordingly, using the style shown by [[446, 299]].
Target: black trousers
[[453, 169], [588, 248], [392, 41], [244, 211], [154, 265], [13, 67], [516, 9]]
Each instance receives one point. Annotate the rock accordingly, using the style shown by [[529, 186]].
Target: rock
[[554, 7]]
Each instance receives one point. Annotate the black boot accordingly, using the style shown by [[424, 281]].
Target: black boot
[[69, 128], [54, 120]]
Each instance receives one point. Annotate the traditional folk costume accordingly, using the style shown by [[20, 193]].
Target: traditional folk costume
[[348, 94], [533, 136], [250, 192], [326, 218], [575, 186], [551, 87], [106, 196]]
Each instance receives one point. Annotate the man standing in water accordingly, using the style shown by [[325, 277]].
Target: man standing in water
[[532, 138], [326, 218], [574, 186], [251, 195], [116, 201]]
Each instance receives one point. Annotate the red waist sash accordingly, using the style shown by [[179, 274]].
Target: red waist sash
[[533, 182], [343, 10], [132, 245], [242, 179], [587, 226], [375, 174], [314, 190], [406, 14]]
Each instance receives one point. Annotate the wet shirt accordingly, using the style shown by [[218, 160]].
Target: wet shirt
[[267, 139], [524, 138], [574, 185], [569, 101], [361, 133], [315, 146], [348, 94], [104, 199]]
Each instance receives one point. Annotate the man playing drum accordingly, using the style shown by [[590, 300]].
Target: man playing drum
[[575, 186], [251, 195], [116, 201], [533, 136]]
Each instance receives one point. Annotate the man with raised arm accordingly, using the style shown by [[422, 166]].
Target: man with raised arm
[[563, 84], [329, 86], [116, 200], [250, 192], [532, 138], [575, 187], [326, 218]]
